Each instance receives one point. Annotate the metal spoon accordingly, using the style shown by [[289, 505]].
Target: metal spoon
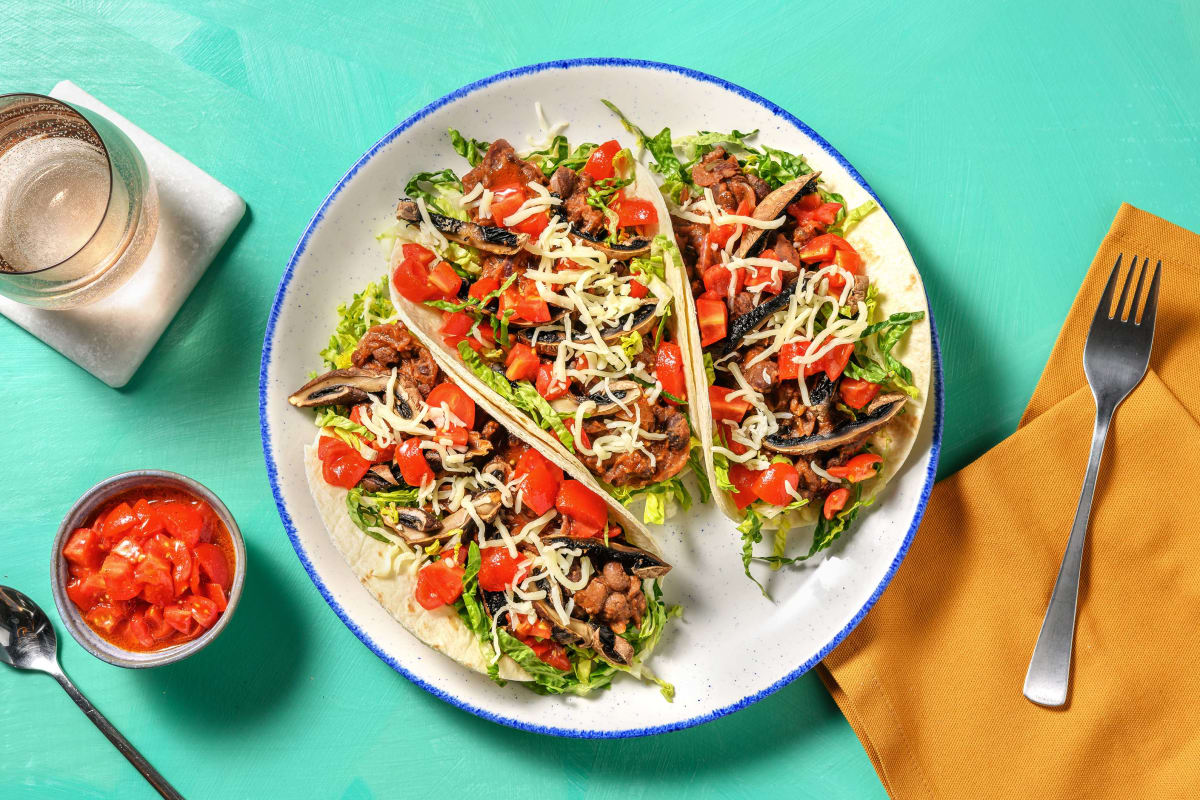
[[27, 641]]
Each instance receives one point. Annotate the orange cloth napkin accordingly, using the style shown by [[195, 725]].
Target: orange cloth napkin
[[931, 680]]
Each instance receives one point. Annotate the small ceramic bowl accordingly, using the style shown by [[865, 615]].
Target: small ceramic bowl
[[81, 514]]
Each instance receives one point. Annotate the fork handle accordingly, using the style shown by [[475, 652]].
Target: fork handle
[[1049, 674]]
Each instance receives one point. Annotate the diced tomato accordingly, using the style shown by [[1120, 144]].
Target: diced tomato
[[638, 290], [720, 234], [806, 202], [341, 464], [181, 564], [743, 480], [668, 369], [418, 253], [85, 591], [83, 548], [213, 565], [532, 308], [713, 317], [539, 489], [482, 288], [439, 583], [765, 279], [411, 279], [580, 434], [116, 524], [548, 386], [533, 224], [202, 609], [824, 214], [857, 394], [105, 617], [215, 593], [411, 461], [522, 363], [736, 447], [823, 247], [531, 458], [183, 521], [577, 501], [632, 212], [179, 617], [520, 625], [790, 367], [118, 578], [140, 630], [455, 326], [154, 573], [548, 651], [600, 163], [455, 399], [445, 280], [859, 468], [848, 260], [835, 501], [776, 484], [156, 622], [725, 409], [505, 202], [716, 280], [499, 569], [577, 529], [834, 362]]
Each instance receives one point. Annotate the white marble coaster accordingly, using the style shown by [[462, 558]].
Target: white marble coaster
[[112, 337]]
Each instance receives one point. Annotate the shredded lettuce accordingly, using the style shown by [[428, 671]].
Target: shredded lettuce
[[521, 394], [559, 154], [852, 218], [330, 418], [721, 469], [751, 530], [696, 463], [710, 369], [369, 307], [829, 530], [472, 613], [470, 149], [887, 334], [440, 191], [632, 344], [367, 509]]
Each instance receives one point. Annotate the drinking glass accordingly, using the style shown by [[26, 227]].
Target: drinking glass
[[78, 210]]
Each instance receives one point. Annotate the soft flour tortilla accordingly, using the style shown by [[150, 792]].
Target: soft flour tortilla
[[899, 287], [425, 322], [389, 573]]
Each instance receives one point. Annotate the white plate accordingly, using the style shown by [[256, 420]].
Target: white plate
[[732, 646]]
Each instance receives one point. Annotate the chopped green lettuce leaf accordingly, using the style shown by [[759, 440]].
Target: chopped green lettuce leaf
[[710, 369], [751, 530], [329, 418], [369, 307], [470, 149], [521, 394], [440, 191], [852, 218]]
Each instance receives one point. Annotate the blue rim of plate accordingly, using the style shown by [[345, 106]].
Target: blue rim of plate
[[290, 528]]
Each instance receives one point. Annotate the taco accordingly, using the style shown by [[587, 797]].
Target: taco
[[541, 280], [482, 546], [815, 346]]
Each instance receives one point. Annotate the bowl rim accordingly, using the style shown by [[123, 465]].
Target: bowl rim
[[77, 516], [937, 395]]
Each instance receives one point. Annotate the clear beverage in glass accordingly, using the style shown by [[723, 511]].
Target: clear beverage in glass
[[78, 210]]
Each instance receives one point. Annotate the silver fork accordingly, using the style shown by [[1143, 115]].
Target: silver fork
[[1114, 359]]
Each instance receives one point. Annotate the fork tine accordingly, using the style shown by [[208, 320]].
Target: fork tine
[[1136, 303], [1119, 312], [1103, 309], [1151, 301]]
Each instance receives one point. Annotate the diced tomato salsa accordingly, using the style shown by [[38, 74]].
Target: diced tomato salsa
[[152, 569]]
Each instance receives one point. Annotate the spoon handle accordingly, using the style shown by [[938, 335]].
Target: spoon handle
[[120, 742]]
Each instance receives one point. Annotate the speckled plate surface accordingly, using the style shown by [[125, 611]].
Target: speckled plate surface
[[732, 647]]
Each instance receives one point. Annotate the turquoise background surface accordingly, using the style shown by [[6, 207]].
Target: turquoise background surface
[[1002, 138]]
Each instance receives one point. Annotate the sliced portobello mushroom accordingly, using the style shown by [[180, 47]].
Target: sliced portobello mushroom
[[772, 207], [341, 387], [642, 563], [622, 251], [482, 237], [499, 469], [751, 320], [548, 342], [408, 398], [881, 410], [421, 527], [607, 644], [379, 478], [606, 402]]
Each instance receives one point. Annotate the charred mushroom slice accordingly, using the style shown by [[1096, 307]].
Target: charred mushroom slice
[[548, 342], [499, 469], [482, 237], [752, 319], [379, 478], [408, 400], [612, 648], [773, 206], [881, 411], [615, 252], [341, 387], [641, 563], [606, 402]]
